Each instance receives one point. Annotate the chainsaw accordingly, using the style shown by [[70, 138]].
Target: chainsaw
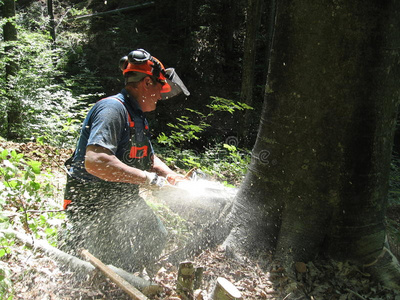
[[196, 196]]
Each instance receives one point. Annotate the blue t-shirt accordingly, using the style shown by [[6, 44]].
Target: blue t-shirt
[[107, 125]]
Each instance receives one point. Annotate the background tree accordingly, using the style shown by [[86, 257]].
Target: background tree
[[202, 40], [52, 25], [317, 184], [10, 37]]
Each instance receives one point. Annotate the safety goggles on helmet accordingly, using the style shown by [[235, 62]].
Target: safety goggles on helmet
[[139, 63]]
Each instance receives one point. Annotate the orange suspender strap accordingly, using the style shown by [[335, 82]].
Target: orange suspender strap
[[136, 152], [131, 122]]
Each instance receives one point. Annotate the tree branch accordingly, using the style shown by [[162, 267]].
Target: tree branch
[[134, 7]]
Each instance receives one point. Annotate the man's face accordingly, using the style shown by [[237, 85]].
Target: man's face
[[150, 95]]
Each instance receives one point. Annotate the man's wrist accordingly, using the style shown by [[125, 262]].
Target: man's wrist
[[153, 179]]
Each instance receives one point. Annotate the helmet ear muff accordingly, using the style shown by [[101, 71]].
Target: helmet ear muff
[[123, 63]]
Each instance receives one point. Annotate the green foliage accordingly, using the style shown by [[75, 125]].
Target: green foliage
[[24, 190], [6, 244], [49, 108], [222, 104], [188, 128], [6, 290], [184, 130], [224, 161]]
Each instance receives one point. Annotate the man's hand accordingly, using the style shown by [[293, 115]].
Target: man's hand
[[174, 179]]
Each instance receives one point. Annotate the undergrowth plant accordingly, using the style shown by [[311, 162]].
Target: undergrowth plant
[[25, 192], [26, 200], [189, 127], [177, 227], [224, 161]]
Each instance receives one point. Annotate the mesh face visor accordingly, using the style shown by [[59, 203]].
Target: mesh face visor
[[176, 84]]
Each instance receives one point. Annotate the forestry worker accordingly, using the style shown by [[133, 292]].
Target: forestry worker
[[113, 156]]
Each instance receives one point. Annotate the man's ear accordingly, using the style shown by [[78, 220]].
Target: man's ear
[[147, 82]]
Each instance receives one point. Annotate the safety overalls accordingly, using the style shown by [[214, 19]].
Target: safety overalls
[[110, 219]]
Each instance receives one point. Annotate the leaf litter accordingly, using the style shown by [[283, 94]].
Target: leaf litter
[[36, 276]]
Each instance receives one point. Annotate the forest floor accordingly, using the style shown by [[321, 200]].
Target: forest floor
[[37, 276]]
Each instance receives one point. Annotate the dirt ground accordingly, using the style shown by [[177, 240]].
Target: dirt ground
[[37, 276]]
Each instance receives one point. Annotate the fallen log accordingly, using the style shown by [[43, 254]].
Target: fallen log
[[118, 280], [81, 268]]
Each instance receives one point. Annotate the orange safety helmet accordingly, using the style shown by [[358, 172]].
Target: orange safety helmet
[[140, 63]]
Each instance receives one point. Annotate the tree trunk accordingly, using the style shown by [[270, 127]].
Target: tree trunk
[[318, 180], [228, 27], [52, 25], [9, 34], [254, 12], [14, 119]]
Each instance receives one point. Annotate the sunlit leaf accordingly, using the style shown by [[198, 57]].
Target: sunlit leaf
[[35, 165]]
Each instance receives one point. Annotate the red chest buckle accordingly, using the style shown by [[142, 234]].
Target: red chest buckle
[[134, 152]]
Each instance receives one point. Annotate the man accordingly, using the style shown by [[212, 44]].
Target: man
[[113, 157]]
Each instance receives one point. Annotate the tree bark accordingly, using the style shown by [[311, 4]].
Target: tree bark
[[254, 12], [318, 180], [9, 34], [396, 146]]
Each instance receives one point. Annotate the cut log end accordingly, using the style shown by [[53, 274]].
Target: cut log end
[[225, 290]]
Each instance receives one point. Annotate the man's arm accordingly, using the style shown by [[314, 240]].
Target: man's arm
[[101, 163], [161, 168]]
